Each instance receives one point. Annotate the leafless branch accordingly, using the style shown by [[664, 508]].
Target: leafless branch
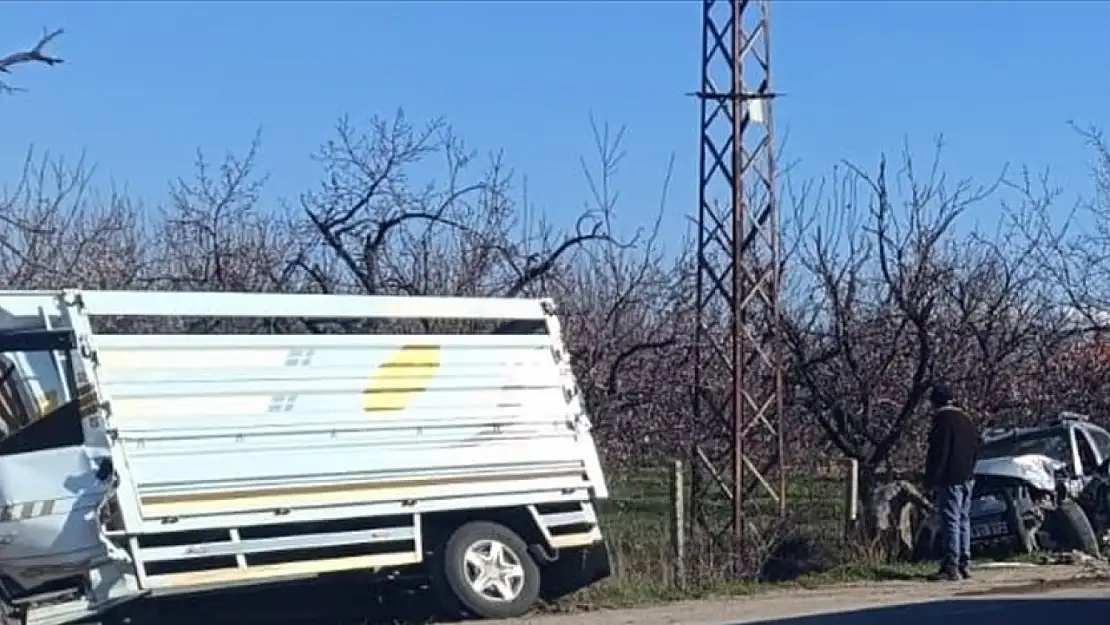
[[36, 54]]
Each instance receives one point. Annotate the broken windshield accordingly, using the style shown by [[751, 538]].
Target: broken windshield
[[1052, 442]]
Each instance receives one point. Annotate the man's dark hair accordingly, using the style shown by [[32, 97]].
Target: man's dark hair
[[941, 394]]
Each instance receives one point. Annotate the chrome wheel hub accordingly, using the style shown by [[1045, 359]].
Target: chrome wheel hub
[[494, 571]]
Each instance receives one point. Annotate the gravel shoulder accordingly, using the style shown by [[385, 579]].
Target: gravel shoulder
[[782, 603]]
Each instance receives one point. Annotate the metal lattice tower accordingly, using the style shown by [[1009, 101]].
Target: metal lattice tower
[[738, 370]]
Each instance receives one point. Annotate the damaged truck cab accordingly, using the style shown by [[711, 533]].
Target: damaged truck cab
[[56, 473], [142, 464]]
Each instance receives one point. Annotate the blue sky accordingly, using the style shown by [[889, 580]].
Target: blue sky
[[145, 84]]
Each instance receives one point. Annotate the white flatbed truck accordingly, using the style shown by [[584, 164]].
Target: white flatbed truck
[[149, 464]]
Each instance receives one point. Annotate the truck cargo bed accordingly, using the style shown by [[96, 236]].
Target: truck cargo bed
[[212, 459]]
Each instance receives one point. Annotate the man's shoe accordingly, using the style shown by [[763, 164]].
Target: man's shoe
[[945, 576], [965, 572]]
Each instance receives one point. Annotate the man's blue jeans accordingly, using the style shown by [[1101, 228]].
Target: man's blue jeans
[[955, 511]]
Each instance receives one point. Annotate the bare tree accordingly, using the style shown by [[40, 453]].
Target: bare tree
[[628, 309], [1071, 248], [56, 230], [889, 305], [215, 236], [1074, 250], [36, 54], [380, 231]]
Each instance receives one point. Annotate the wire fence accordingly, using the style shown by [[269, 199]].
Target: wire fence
[[648, 523]]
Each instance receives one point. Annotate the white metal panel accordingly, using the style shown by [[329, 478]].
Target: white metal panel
[[278, 543], [209, 304], [30, 310], [577, 408], [204, 343], [534, 494], [23, 308], [312, 420]]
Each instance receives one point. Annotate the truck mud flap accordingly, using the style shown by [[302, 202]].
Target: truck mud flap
[[576, 569]]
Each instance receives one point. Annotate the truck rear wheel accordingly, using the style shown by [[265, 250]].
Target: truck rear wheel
[[484, 568]]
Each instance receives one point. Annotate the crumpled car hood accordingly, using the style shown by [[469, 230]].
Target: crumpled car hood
[[1037, 470]]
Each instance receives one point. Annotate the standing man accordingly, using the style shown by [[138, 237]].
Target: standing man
[[949, 471]]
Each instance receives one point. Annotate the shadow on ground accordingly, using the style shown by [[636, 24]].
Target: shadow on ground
[[979, 611], [335, 603]]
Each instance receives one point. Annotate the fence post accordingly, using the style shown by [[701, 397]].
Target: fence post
[[851, 499], [678, 525]]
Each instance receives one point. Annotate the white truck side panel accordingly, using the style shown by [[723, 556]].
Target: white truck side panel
[[182, 304], [230, 424]]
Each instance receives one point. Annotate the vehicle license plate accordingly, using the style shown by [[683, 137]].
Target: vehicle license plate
[[988, 530]]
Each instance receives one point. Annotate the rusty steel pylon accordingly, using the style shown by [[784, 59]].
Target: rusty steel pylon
[[737, 463]]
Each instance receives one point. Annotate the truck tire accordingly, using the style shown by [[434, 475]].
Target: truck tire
[[1073, 530], [484, 569]]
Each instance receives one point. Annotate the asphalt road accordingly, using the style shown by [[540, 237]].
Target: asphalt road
[[1075, 608], [1057, 595]]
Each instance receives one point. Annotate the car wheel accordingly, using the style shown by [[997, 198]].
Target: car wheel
[[1072, 529], [485, 569]]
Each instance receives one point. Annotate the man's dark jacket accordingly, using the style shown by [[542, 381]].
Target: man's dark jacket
[[952, 444]]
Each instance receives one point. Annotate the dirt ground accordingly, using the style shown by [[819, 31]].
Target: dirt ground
[[1054, 580]]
